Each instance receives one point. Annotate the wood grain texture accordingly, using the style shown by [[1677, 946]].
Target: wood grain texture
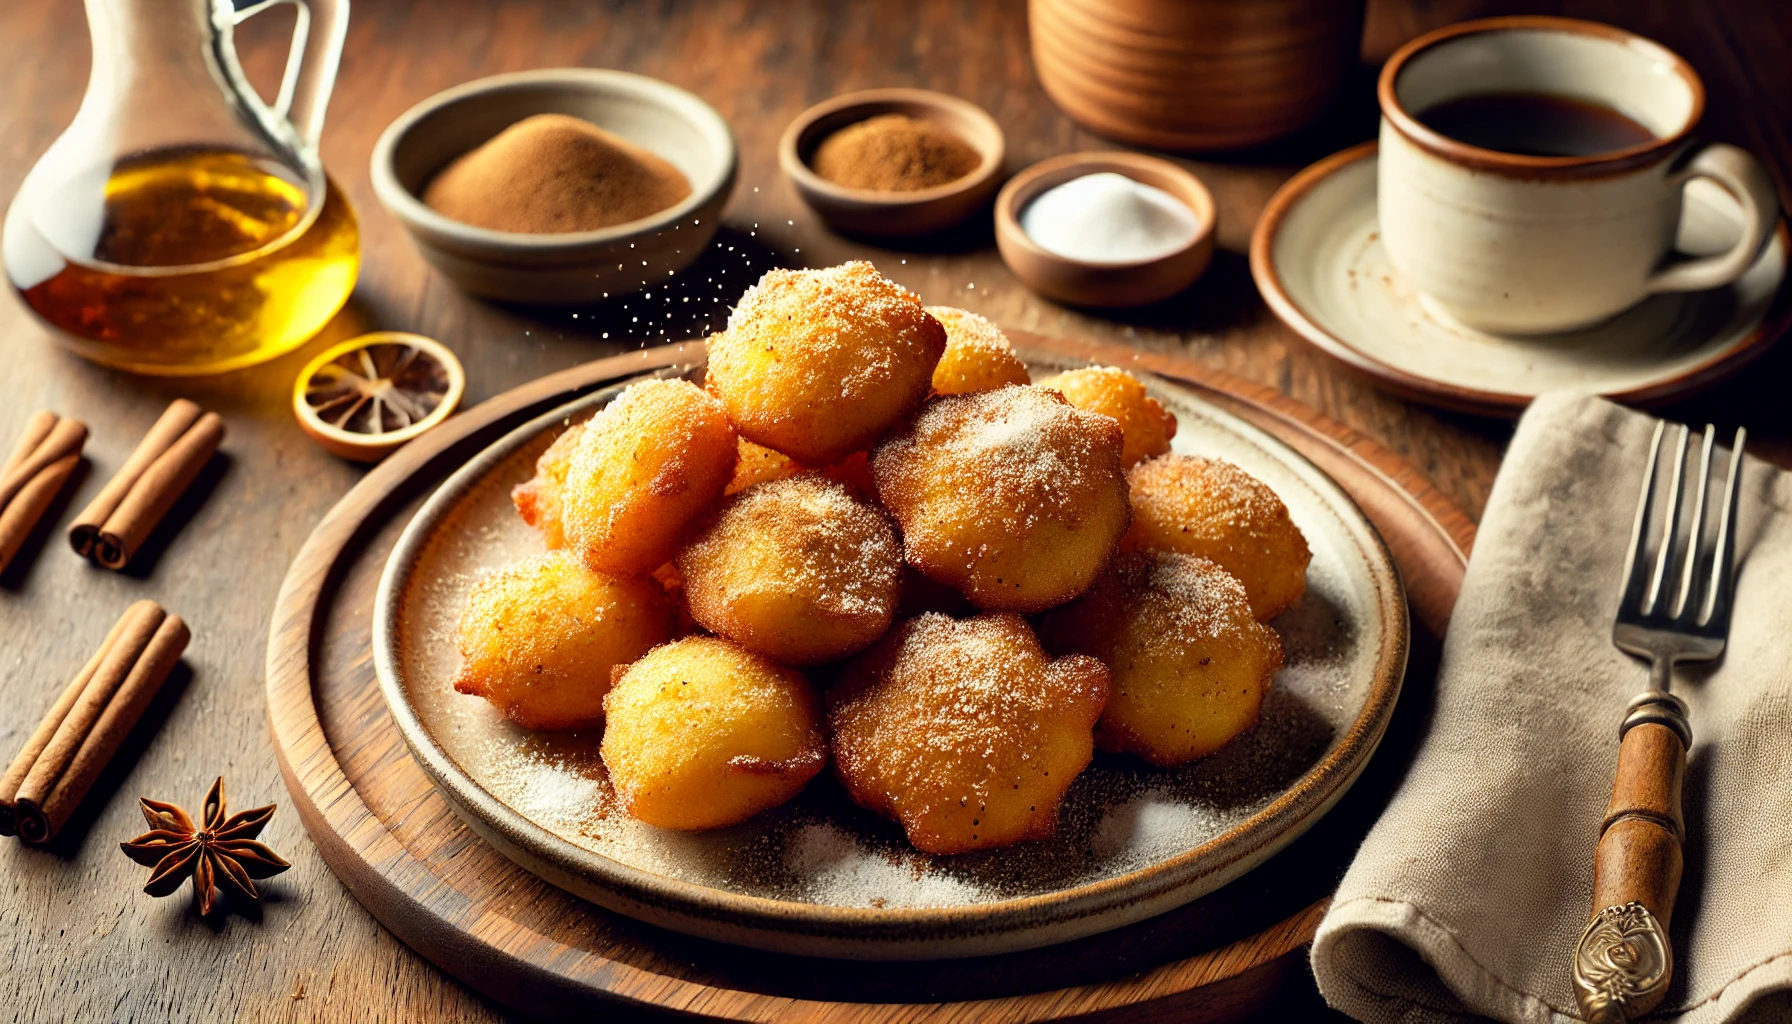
[[1639, 855], [398, 846], [82, 942]]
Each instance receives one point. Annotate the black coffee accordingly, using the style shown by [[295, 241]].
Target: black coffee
[[1535, 124]]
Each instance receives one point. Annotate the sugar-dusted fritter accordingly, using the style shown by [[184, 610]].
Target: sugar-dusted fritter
[[1014, 496], [755, 464], [646, 466], [796, 569], [1190, 663], [854, 472], [671, 583], [537, 499], [703, 733], [965, 732], [1145, 423], [818, 364], [538, 639], [1213, 509], [978, 356]]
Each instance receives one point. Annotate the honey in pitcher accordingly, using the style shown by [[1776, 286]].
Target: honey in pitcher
[[186, 261]]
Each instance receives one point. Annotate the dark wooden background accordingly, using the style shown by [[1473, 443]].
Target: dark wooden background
[[79, 940]]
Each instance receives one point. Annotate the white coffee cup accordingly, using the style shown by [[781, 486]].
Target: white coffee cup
[[1521, 244]]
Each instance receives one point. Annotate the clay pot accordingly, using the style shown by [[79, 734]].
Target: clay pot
[[1194, 74]]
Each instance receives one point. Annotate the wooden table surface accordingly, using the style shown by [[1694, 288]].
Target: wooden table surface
[[81, 942]]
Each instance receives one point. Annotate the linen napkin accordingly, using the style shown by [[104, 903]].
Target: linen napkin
[[1468, 895]]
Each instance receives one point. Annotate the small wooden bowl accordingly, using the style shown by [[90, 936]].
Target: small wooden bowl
[[893, 214], [1104, 285]]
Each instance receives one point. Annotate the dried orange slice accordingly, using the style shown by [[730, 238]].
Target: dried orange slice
[[365, 397]]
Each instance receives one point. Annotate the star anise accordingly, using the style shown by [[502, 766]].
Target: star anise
[[221, 853]]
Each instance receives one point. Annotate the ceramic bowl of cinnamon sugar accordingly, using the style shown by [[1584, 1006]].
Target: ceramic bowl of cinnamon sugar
[[894, 163], [561, 186]]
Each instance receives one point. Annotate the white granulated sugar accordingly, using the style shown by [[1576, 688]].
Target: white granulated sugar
[[1109, 218], [546, 790], [841, 870]]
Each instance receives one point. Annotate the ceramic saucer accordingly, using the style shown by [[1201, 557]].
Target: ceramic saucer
[[1317, 258]]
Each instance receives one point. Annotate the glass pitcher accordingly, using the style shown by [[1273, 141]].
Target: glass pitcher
[[181, 225]]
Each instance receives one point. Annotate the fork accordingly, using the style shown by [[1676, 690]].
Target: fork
[[1675, 608]]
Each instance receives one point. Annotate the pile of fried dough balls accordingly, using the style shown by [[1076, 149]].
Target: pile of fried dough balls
[[988, 577]]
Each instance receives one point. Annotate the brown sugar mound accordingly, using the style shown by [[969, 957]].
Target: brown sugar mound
[[553, 173], [894, 153]]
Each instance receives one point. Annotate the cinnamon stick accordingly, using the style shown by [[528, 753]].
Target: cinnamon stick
[[114, 525], [33, 475], [46, 729], [90, 721]]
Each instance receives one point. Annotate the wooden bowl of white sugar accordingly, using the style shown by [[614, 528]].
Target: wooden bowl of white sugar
[[1106, 230]]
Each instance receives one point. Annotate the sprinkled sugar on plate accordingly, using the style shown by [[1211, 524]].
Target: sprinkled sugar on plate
[[821, 876]]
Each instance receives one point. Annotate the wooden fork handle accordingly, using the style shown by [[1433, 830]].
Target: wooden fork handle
[[1623, 963]]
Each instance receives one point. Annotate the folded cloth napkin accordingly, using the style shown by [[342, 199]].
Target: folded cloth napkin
[[1468, 896]]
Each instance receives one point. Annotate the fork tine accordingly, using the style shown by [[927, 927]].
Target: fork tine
[[1669, 521], [1723, 569], [1696, 530], [1634, 566]]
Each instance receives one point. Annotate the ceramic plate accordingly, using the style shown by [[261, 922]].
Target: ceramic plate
[[1318, 260], [819, 876]]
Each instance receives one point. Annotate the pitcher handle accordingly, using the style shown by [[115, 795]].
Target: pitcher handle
[[311, 65]]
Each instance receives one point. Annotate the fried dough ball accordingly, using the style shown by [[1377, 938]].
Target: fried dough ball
[[1213, 509], [1146, 424], [966, 733], [978, 356], [1014, 496], [671, 583], [755, 464], [819, 363], [797, 569], [537, 499], [1190, 663], [854, 472], [702, 733], [538, 639], [644, 469]]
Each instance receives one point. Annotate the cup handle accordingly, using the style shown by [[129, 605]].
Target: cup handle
[[1743, 177], [311, 65]]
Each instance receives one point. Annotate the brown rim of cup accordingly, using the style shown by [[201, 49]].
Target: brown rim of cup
[[1477, 158]]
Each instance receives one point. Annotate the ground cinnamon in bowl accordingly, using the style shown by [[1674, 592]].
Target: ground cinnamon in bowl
[[553, 173], [894, 153]]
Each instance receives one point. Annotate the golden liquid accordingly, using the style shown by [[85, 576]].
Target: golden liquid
[[197, 267]]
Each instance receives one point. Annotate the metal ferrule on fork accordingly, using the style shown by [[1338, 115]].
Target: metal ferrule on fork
[[1660, 708]]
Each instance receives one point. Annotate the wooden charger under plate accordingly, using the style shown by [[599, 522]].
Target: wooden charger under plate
[[411, 861]]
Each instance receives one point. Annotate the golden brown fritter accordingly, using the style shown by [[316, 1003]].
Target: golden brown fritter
[[797, 569], [1213, 509], [537, 499], [538, 639], [978, 356], [756, 464], [1145, 423], [702, 733], [1190, 663], [965, 732], [1013, 496], [646, 467], [819, 363]]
